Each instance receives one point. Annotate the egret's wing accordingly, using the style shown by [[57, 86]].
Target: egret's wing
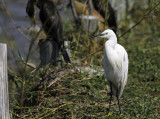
[[123, 56], [116, 67], [113, 64]]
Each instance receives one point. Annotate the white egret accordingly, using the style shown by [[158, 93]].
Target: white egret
[[115, 65]]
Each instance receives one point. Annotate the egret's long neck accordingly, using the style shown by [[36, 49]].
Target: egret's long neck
[[112, 41]]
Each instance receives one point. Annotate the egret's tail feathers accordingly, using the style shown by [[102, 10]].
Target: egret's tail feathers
[[123, 83], [114, 90], [120, 92]]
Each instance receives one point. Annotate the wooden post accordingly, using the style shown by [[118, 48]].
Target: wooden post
[[4, 98]]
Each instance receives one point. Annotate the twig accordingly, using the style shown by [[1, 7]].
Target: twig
[[90, 6], [53, 110], [75, 16], [29, 65], [24, 70], [140, 20]]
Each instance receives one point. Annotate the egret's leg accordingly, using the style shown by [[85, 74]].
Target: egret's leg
[[118, 101], [110, 97]]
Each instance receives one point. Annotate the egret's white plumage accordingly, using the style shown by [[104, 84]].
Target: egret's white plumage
[[115, 63]]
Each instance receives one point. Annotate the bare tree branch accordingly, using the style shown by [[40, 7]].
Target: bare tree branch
[[90, 7], [140, 20], [75, 16]]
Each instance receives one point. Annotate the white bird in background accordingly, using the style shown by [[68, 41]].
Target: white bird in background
[[115, 64]]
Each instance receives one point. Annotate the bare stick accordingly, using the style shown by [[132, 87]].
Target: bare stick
[[74, 11], [90, 7]]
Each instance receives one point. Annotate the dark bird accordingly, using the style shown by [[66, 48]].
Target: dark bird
[[52, 26], [98, 10], [100, 6], [30, 9]]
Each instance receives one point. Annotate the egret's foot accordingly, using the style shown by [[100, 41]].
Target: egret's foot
[[109, 114], [121, 115]]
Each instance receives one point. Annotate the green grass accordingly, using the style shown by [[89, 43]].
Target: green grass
[[75, 95], [79, 95]]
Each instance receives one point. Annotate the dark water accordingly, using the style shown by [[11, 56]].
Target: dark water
[[10, 35]]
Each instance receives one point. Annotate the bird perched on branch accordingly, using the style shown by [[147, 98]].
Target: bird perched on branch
[[115, 64], [52, 25]]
